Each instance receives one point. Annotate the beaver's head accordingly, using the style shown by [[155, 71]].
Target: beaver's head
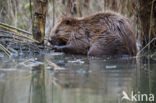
[[62, 31]]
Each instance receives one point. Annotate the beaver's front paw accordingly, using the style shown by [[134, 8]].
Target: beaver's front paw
[[63, 48], [56, 48]]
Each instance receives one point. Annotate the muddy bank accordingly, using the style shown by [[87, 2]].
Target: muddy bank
[[18, 46]]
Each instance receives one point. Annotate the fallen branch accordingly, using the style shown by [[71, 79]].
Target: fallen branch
[[6, 51], [20, 34], [12, 27]]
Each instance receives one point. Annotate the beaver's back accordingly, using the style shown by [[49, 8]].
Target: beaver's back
[[101, 25]]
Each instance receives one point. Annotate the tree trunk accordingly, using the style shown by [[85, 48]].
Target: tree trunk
[[39, 19]]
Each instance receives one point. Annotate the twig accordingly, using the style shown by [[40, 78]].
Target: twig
[[6, 51], [20, 34], [146, 46], [53, 12], [32, 59], [150, 29], [30, 8], [18, 29], [153, 54]]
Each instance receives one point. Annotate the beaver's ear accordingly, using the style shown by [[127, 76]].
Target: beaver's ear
[[68, 22]]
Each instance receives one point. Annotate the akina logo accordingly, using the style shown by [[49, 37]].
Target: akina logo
[[137, 96]]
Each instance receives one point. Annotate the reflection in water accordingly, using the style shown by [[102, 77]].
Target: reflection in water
[[83, 80], [95, 81], [37, 85]]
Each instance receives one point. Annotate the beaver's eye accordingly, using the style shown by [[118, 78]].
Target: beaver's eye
[[68, 22]]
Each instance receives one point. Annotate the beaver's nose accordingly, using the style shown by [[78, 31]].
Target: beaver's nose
[[53, 40]]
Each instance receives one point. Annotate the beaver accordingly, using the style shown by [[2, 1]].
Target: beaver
[[105, 33]]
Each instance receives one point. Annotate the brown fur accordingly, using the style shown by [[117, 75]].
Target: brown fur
[[105, 33]]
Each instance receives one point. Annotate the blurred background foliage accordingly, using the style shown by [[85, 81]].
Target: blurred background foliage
[[18, 14]]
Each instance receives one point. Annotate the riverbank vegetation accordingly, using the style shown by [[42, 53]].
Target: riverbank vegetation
[[142, 14]]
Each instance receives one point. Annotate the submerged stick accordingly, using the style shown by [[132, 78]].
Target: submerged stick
[[56, 67], [20, 34], [18, 29]]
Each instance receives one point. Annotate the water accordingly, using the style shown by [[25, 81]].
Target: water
[[77, 79]]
